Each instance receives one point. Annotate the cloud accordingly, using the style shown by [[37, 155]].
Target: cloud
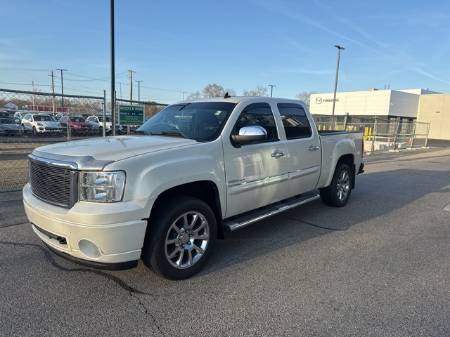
[[421, 71], [289, 13]]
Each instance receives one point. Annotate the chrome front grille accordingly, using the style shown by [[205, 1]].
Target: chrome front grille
[[56, 185]]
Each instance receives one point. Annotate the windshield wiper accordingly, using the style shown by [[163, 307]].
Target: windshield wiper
[[168, 133]]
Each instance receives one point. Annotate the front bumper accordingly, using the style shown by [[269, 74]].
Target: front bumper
[[102, 234]]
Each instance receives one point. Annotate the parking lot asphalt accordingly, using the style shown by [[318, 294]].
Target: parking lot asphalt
[[378, 267]]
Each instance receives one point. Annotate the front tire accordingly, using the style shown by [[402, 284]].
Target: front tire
[[181, 236], [340, 189]]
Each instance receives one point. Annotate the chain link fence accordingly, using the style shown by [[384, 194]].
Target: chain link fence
[[18, 137], [381, 134]]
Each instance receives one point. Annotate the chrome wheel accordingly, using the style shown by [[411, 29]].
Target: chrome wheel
[[187, 240], [343, 185]]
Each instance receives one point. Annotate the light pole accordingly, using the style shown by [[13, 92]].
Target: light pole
[[113, 71], [339, 48], [271, 88]]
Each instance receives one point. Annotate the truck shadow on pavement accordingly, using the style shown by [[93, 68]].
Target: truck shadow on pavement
[[377, 194]]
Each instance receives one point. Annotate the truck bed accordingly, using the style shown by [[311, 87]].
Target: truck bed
[[334, 132]]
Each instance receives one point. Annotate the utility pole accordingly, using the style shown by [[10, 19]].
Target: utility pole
[[32, 86], [271, 88], [62, 100], [139, 89], [104, 114], [130, 72], [339, 48], [53, 92], [183, 93], [120, 90], [113, 70]]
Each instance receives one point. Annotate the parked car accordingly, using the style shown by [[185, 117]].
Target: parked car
[[41, 124], [77, 125], [19, 115], [199, 169], [96, 122], [10, 126]]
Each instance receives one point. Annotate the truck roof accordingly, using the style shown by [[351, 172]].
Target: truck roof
[[245, 99]]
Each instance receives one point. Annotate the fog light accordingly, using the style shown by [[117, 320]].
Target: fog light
[[88, 248]]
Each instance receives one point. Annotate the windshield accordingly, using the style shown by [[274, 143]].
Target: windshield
[[7, 121], [199, 121], [43, 118], [77, 119]]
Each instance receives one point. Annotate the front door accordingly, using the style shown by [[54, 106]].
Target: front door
[[257, 173]]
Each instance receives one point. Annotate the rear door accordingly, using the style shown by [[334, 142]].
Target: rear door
[[303, 146], [257, 173]]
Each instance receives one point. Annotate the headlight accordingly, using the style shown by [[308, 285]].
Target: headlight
[[39, 124], [102, 186]]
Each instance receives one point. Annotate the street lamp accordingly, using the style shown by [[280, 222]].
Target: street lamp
[[339, 48]]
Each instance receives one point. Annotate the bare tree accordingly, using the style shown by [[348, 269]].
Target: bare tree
[[305, 96], [211, 90], [260, 90], [194, 95]]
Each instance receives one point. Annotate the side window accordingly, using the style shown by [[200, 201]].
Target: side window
[[295, 121], [258, 114]]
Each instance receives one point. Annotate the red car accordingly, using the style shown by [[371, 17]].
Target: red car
[[77, 124]]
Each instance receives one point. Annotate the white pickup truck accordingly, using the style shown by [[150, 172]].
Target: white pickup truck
[[197, 170]]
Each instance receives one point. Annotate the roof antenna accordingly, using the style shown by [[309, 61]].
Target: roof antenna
[[226, 95]]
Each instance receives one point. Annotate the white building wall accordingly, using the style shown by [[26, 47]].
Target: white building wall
[[366, 103], [403, 104]]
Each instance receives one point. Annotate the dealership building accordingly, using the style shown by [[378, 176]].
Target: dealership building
[[404, 106], [383, 104]]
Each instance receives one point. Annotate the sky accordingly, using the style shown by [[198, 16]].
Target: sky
[[178, 47]]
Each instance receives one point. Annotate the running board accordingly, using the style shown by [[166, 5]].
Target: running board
[[248, 218]]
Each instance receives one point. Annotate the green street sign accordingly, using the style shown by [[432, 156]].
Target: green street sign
[[131, 114]]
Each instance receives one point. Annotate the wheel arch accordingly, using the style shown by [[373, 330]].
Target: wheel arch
[[348, 159], [205, 190]]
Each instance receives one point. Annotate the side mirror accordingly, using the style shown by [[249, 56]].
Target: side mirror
[[250, 134]]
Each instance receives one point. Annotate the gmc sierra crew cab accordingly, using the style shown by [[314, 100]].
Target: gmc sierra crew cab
[[195, 171]]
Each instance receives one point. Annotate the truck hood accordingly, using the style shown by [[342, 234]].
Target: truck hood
[[95, 153], [49, 124]]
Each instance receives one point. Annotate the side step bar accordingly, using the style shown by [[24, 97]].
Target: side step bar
[[246, 219]]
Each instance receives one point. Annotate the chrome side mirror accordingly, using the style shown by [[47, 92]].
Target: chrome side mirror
[[250, 134]]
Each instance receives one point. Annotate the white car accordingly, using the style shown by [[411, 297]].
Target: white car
[[97, 123], [199, 169], [41, 124]]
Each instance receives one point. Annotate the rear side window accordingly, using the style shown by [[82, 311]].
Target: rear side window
[[295, 122], [258, 114]]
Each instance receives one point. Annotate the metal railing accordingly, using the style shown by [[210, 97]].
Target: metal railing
[[383, 135]]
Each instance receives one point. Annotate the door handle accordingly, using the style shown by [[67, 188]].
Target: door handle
[[314, 148], [277, 154]]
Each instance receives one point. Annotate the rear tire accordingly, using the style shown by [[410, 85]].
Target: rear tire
[[340, 189], [180, 237]]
